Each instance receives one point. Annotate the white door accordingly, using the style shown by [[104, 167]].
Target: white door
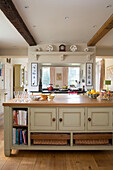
[[100, 118], [71, 119], [43, 119]]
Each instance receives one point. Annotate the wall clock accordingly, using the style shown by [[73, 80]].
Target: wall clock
[[62, 47]]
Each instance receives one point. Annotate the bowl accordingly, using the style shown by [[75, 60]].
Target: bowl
[[93, 96], [44, 96], [35, 97], [51, 97], [64, 87]]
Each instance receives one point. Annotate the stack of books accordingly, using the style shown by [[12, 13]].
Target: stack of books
[[19, 117], [19, 136], [20, 131]]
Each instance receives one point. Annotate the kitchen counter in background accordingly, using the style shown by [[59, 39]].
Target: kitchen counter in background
[[60, 91]]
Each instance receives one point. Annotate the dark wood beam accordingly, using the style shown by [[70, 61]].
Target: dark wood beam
[[106, 27], [12, 14]]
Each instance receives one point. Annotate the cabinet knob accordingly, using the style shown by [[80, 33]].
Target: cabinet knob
[[53, 119], [89, 119], [60, 119]]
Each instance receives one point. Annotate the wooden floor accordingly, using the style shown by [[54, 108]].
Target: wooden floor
[[54, 160]]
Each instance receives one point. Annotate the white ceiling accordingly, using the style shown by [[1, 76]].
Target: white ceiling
[[48, 17], [9, 36]]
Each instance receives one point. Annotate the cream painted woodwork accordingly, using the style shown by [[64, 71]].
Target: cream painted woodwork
[[43, 119], [99, 119], [71, 119], [9, 81], [46, 120], [2, 99], [1, 103], [18, 78], [62, 55], [53, 57], [6, 93]]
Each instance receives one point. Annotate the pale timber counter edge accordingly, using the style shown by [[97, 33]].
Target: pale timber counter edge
[[64, 100]]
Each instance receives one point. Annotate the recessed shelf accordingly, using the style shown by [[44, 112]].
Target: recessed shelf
[[21, 126]]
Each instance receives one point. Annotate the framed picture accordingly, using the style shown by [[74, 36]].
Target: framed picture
[[109, 72], [59, 76], [34, 74], [89, 74]]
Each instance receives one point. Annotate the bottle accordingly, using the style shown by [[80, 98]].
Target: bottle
[[40, 86], [40, 83]]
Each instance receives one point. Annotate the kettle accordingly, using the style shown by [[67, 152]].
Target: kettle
[[50, 88]]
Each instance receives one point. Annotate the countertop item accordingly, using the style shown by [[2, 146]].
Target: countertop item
[[64, 100]]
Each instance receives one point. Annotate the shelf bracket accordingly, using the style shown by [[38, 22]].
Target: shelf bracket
[[37, 56], [88, 58], [62, 57]]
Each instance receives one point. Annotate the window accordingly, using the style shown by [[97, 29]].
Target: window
[[73, 74], [45, 77]]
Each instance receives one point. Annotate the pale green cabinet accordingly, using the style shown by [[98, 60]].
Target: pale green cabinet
[[71, 118], [100, 119], [43, 119]]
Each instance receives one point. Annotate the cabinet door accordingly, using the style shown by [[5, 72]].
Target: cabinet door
[[99, 118], [43, 119], [71, 119]]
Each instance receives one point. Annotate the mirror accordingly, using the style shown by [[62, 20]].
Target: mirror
[[63, 75]]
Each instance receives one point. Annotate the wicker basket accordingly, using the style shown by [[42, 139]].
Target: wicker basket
[[50, 138], [49, 142], [91, 141]]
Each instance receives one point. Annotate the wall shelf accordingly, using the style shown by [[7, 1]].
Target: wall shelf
[[62, 54]]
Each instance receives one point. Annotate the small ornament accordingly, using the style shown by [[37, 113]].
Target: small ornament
[[49, 48], [73, 48], [38, 49], [62, 47], [86, 49]]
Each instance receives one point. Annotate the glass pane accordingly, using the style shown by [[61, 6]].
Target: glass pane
[[73, 74], [45, 77]]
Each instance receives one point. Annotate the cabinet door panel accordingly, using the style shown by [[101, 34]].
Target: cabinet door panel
[[71, 119], [42, 119], [100, 118]]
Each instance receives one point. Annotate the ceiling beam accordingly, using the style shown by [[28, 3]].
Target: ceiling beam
[[106, 27], [12, 14]]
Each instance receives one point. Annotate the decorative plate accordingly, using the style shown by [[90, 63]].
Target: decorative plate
[[73, 48], [49, 48]]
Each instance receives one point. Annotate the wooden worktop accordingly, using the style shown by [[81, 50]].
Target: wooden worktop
[[63, 100]]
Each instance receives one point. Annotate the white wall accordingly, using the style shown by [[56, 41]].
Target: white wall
[[14, 52], [22, 61]]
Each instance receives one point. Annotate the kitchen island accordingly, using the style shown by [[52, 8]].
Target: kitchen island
[[69, 122]]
